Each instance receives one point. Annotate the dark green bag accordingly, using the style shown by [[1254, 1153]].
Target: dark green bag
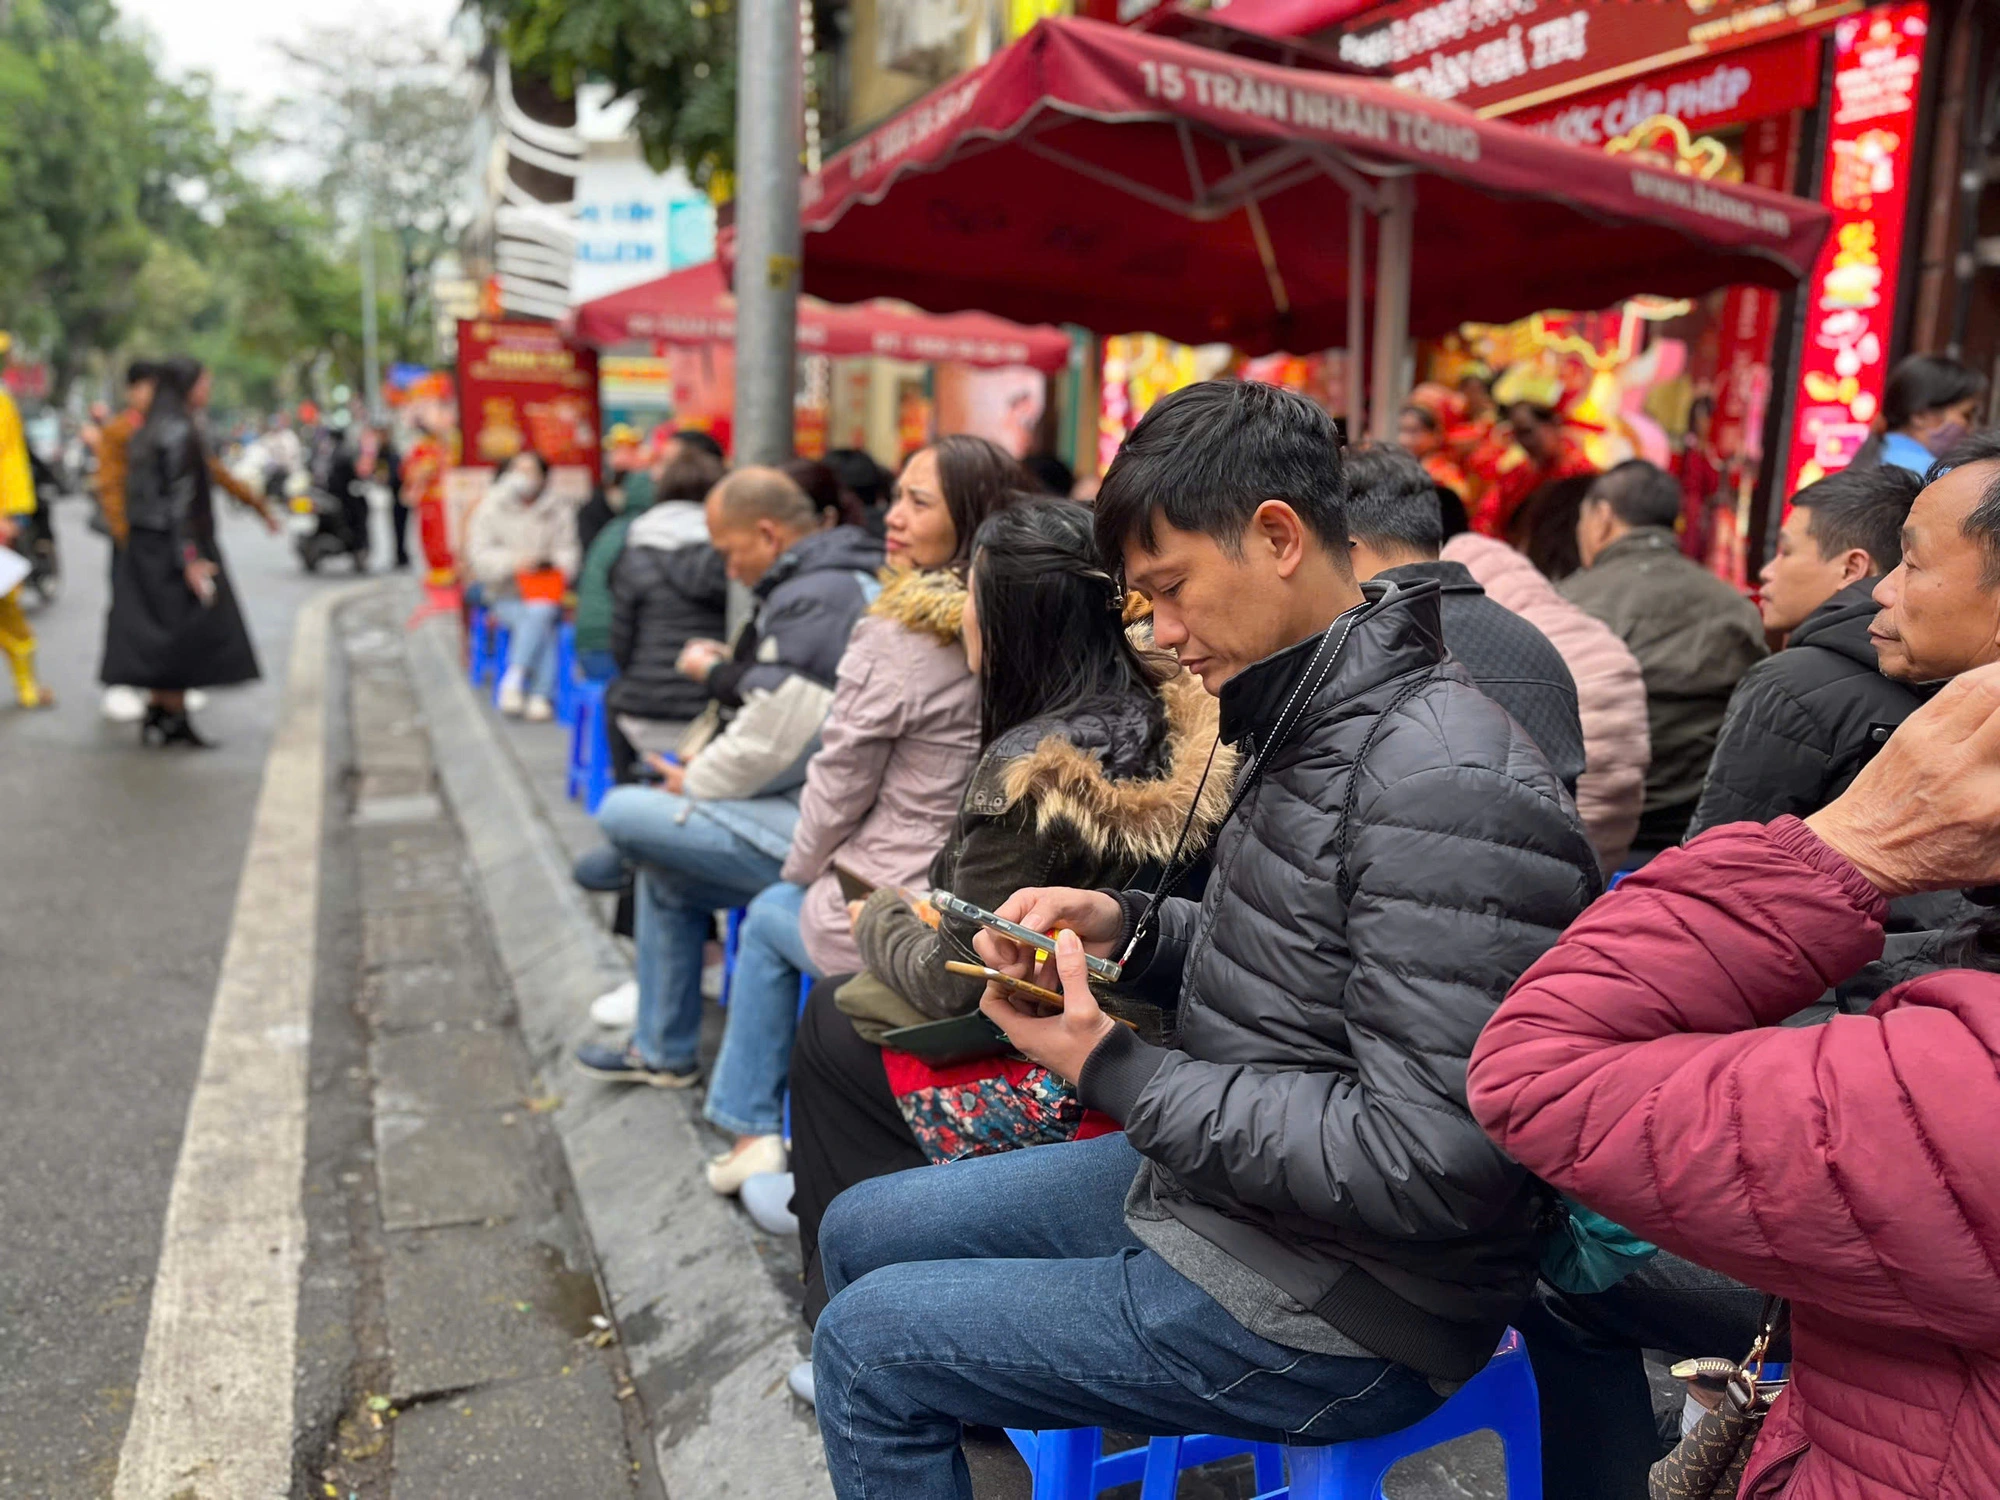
[[1589, 1253]]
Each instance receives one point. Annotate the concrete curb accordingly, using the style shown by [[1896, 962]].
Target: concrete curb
[[708, 1336]]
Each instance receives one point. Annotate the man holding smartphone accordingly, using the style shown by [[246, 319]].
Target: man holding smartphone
[[1302, 1234]]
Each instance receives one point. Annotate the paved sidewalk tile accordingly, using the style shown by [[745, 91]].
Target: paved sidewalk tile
[[453, 1169], [553, 1438], [447, 1072]]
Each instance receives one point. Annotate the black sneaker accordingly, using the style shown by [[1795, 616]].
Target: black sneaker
[[625, 1065]]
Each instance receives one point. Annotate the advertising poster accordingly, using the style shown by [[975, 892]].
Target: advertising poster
[[1850, 303], [520, 385]]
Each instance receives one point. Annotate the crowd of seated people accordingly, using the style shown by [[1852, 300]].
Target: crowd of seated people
[[1334, 793]]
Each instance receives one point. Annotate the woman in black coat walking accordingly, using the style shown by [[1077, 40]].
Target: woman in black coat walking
[[174, 622]]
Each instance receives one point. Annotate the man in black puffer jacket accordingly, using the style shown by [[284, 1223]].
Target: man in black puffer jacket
[[1301, 1233], [668, 587], [1802, 723]]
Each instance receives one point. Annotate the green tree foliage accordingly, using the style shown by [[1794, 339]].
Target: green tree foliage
[[126, 224], [677, 59]]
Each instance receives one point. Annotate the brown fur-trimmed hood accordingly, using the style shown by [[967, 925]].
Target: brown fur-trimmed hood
[[1139, 818], [929, 601]]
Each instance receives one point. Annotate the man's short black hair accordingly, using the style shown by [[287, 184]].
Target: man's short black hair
[[1861, 507], [694, 437], [1204, 458], [140, 370], [1391, 503], [1983, 523], [1640, 494]]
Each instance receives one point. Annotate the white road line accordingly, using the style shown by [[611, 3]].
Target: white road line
[[212, 1417]]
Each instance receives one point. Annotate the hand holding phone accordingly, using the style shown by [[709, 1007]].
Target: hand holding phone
[[1028, 921]]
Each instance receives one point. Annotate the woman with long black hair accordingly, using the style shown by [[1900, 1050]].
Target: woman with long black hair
[[174, 621], [1092, 753]]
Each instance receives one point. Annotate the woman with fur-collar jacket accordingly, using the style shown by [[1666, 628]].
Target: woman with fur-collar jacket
[[1093, 756]]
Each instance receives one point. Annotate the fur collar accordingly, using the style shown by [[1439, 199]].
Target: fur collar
[[929, 601], [1139, 819]]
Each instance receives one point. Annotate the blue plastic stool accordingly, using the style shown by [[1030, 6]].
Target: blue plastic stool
[[566, 673], [478, 627], [501, 639], [589, 776], [1070, 1465], [732, 939]]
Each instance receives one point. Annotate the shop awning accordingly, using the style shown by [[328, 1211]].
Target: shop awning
[[695, 306], [1129, 182]]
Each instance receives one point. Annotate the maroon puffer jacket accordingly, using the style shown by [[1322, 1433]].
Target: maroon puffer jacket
[[1852, 1167]]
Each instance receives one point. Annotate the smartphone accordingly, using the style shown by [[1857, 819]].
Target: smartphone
[[852, 886], [942, 1043], [950, 905], [1049, 999]]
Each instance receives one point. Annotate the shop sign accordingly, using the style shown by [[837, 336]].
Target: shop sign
[[1850, 303], [521, 385], [1500, 56], [1707, 95]]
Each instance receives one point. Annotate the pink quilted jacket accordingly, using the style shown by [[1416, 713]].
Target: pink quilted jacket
[[1852, 1167], [1610, 694]]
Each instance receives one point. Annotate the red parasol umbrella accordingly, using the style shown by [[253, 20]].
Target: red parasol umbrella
[[1125, 181], [694, 306]]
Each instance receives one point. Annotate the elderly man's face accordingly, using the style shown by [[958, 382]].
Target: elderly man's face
[[1941, 608]]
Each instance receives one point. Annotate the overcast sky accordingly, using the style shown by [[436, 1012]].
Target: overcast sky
[[231, 39]]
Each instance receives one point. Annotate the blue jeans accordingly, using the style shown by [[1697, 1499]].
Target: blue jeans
[[746, 1096], [531, 647], [690, 866], [1006, 1291]]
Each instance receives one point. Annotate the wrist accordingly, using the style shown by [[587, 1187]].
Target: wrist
[[1855, 845]]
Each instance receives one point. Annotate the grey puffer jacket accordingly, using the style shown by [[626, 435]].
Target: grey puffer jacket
[[1355, 935]]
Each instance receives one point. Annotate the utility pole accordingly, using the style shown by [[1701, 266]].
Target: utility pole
[[371, 361], [769, 127]]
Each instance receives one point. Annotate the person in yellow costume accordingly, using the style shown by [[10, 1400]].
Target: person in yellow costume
[[17, 501]]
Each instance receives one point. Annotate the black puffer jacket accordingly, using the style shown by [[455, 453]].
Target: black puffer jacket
[[167, 486], [1353, 939], [1803, 723], [806, 608], [667, 588]]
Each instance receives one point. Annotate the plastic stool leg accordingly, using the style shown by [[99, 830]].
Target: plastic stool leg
[[1066, 1463], [732, 937]]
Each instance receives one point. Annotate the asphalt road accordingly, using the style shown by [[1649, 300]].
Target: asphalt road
[[118, 877]]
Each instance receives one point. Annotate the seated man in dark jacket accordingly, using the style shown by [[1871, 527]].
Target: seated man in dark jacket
[[1394, 520], [1802, 723], [1300, 1233]]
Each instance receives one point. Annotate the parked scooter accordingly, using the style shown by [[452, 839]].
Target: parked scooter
[[318, 525]]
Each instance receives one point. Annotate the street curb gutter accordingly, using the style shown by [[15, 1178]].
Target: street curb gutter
[[708, 1336]]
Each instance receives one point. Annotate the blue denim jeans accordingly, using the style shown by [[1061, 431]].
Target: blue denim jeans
[[1006, 1291], [690, 865], [531, 646], [746, 1095]]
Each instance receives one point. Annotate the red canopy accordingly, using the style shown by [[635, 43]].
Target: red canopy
[[694, 306], [1130, 182]]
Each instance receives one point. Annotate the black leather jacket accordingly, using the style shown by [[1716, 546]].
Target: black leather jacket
[[166, 484]]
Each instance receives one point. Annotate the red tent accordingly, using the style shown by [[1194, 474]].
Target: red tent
[[1127, 182], [694, 306]]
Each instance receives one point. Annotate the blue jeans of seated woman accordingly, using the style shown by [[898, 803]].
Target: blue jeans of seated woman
[[531, 644], [691, 865], [746, 1095], [1006, 1291]]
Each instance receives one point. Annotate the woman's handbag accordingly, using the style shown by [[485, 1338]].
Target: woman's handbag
[[1708, 1463]]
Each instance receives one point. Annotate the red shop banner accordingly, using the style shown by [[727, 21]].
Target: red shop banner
[[522, 385], [1502, 56], [1850, 303], [1754, 84]]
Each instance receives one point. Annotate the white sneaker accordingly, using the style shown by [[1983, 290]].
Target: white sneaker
[[617, 1010], [123, 705], [194, 700], [800, 1382], [539, 711], [767, 1198], [728, 1172], [511, 700], [711, 981]]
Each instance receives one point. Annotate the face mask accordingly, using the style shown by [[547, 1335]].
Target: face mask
[[1943, 439]]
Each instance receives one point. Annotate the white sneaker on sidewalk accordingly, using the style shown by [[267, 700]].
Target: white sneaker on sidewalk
[[123, 705], [195, 700], [758, 1156], [539, 711], [617, 1010], [711, 981], [767, 1198], [511, 700], [800, 1382]]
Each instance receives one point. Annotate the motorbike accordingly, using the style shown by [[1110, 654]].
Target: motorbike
[[318, 525]]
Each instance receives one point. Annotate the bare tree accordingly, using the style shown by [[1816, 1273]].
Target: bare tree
[[386, 119]]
